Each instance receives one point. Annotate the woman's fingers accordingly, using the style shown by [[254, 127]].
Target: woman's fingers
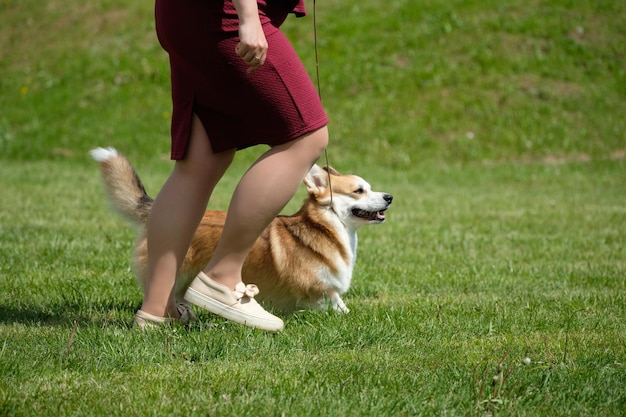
[[252, 47]]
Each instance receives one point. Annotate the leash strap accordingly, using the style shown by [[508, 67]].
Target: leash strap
[[319, 92], [317, 60]]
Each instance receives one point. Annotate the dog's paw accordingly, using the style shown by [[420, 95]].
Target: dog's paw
[[339, 306]]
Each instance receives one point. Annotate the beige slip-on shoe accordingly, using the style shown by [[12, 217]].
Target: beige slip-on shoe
[[238, 306], [145, 320]]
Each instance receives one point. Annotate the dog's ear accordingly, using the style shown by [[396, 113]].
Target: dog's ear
[[331, 170], [316, 180]]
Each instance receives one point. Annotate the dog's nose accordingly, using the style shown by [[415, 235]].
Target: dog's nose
[[388, 198]]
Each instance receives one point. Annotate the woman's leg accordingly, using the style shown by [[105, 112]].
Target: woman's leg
[[259, 197], [176, 213]]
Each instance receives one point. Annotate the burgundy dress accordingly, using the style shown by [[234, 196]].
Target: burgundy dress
[[273, 105]]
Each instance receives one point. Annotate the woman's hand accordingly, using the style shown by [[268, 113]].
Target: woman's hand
[[252, 46]]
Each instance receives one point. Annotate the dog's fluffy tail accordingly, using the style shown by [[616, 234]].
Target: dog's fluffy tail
[[124, 189]]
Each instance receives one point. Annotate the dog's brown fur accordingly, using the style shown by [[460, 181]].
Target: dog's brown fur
[[300, 260]]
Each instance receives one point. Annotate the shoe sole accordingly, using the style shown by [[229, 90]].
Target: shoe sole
[[215, 307]]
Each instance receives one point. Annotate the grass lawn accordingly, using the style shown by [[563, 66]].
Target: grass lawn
[[497, 286]]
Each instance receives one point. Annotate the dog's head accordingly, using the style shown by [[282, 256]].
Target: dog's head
[[350, 196]]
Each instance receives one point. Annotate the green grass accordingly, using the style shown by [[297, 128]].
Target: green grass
[[500, 130]]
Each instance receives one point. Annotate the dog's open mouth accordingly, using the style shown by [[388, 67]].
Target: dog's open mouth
[[372, 216]]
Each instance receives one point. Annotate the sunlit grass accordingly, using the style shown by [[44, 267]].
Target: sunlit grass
[[496, 286]]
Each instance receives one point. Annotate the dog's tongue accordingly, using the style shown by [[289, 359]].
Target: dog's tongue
[[380, 215]]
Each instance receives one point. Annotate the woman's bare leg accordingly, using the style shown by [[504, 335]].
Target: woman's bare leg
[[259, 197], [176, 213]]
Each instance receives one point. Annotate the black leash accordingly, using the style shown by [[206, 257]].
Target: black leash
[[319, 92]]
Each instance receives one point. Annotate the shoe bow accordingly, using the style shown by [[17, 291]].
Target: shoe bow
[[243, 290]]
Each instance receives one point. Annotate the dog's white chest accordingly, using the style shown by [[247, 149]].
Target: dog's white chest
[[340, 277]]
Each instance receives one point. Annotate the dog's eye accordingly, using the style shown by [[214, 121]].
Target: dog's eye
[[359, 190]]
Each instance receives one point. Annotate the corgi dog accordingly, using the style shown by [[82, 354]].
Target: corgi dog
[[304, 260]]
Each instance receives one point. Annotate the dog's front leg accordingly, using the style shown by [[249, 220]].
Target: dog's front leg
[[338, 305]]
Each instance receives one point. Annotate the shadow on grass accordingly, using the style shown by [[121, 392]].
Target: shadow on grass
[[64, 314]]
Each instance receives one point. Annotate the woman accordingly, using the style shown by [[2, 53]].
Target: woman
[[236, 82]]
